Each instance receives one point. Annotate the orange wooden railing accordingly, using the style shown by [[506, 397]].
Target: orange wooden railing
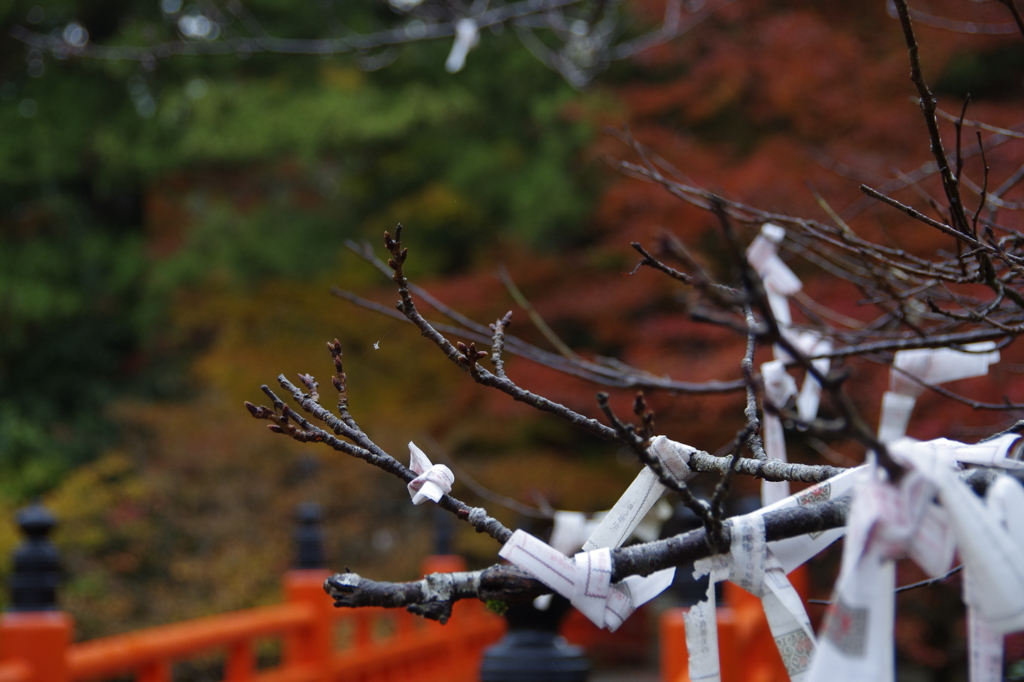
[[320, 643]]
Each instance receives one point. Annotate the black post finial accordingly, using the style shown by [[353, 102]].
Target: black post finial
[[309, 538], [36, 572]]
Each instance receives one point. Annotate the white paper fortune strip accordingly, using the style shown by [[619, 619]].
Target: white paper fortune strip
[[1005, 500], [640, 496], [937, 366], [701, 622], [856, 640], [434, 480], [933, 366], [991, 453], [780, 283], [793, 552], [614, 528], [569, 531], [752, 566], [466, 38], [779, 387], [888, 521], [779, 280], [585, 579], [992, 553]]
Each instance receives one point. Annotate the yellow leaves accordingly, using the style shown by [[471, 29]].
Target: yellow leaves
[[97, 501], [437, 203], [338, 77]]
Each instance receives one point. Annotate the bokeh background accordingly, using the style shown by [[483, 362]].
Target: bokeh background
[[170, 231]]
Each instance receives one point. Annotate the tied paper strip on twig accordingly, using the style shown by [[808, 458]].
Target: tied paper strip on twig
[[466, 38], [751, 565], [1005, 501], [937, 366], [641, 495], [434, 480], [779, 281], [569, 531], [990, 539], [579, 579], [796, 551], [889, 521], [787, 555], [932, 366], [990, 453], [992, 553], [779, 387], [585, 579], [856, 640]]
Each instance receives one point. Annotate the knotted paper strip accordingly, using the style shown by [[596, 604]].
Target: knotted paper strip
[[991, 453], [620, 600], [585, 580], [570, 530], [752, 566], [932, 366], [780, 283], [994, 556], [641, 495], [779, 280], [466, 38], [434, 480], [888, 521], [701, 622], [779, 387], [857, 637], [793, 552], [1005, 499]]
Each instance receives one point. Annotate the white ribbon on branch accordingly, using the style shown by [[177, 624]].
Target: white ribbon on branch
[[641, 495], [1005, 501], [810, 393], [585, 579], [434, 480], [932, 366], [936, 366], [466, 37], [780, 283], [751, 565], [761, 569], [889, 521]]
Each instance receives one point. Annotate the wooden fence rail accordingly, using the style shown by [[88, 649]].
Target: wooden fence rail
[[320, 643]]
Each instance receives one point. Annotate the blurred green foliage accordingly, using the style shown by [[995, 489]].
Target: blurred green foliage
[[122, 185]]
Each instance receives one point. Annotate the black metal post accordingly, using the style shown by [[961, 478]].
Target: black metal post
[[309, 538], [36, 572], [532, 650]]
